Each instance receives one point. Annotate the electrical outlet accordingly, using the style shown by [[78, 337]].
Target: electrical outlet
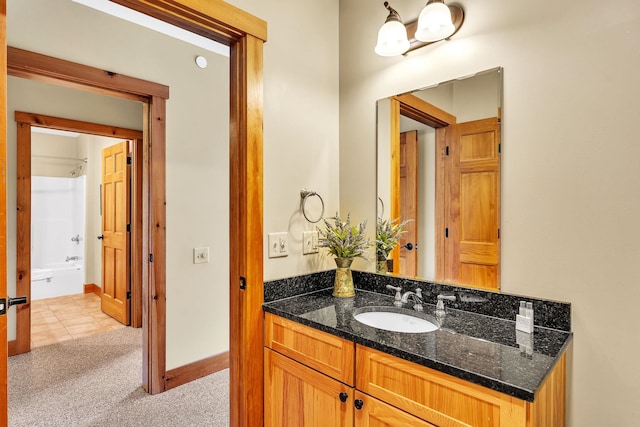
[[278, 245], [309, 242], [200, 255]]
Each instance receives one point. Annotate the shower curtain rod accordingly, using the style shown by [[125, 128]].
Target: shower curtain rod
[[60, 158]]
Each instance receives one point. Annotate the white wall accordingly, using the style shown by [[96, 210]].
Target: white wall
[[197, 149], [54, 155], [570, 168], [301, 141]]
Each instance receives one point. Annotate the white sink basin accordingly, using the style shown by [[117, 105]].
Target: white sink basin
[[396, 322]]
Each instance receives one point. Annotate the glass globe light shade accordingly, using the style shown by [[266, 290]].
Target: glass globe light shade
[[392, 39], [434, 23]]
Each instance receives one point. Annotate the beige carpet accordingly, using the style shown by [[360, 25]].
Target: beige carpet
[[95, 381]]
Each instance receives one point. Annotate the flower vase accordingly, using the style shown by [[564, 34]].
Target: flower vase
[[343, 283], [382, 266]]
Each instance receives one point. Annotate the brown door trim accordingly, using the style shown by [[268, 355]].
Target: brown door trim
[[24, 123], [245, 35], [421, 111], [34, 66]]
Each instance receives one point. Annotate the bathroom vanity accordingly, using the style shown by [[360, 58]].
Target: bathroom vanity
[[323, 366]]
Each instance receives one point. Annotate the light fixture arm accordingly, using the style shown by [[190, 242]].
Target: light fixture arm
[[393, 14]]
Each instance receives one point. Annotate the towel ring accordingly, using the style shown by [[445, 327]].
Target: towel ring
[[304, 195]]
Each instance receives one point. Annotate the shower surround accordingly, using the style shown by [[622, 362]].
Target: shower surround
[[57, 236]]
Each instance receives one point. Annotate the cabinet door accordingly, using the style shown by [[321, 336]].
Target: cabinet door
[[374, 413], [443, 400], [297, 396]]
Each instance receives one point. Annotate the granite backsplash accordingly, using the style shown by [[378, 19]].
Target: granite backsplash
[[548, 314]]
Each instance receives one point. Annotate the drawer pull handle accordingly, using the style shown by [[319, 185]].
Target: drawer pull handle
[[343, 397], [358, 404]]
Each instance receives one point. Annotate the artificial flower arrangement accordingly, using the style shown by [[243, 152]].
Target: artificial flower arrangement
[[345, 242], [387, 237], [342, 239]]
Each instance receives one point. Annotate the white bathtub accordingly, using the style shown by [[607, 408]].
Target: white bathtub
[[57, 279]]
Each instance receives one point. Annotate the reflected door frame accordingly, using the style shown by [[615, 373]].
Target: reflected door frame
[[421, 111]]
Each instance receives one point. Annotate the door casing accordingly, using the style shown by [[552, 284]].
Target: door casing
[[25, 121]]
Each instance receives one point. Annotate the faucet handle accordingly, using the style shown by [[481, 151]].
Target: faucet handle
[[398, 295], [419, 293], [440, 305]]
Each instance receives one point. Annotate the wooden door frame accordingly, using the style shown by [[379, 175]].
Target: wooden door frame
[[417, 109], [25, 121], [245, 35]]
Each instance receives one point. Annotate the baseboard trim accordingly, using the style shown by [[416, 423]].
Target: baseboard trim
[[92, 288], [187, 373], [12, 348]]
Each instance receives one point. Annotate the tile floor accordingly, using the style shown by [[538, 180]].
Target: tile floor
[[68, 317]]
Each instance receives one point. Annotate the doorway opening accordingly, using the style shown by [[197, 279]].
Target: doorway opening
[[245, 35], [34, 255]]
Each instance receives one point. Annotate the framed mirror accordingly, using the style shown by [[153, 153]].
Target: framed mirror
[[438, 173]]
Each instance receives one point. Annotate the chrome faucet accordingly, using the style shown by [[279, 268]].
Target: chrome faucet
[[415, 296], [440, 310], [72, 258]]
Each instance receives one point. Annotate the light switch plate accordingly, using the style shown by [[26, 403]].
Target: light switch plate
[[278, 245], [200, 255], [309, 242]]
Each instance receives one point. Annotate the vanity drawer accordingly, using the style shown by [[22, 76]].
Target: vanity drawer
[[433, 396], [319, 350]]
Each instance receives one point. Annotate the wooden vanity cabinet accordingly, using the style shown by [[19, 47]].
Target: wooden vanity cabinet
[[308, 374], [297, 396]]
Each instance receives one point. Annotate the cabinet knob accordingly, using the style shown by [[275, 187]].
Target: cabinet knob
[[358, 403], [343, 397]]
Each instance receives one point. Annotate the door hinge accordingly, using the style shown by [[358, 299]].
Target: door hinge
[[128, 228], [498, 233], [129, 160], [243, 283], [3, 306], [150, 257], [128, 294], [446, 232], [446, 150], [499, 148]]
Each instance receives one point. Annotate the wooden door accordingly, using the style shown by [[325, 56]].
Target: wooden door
[[115, 234], [474, 207], [298, 396], [375, 413], [409, 202], [4, 417]]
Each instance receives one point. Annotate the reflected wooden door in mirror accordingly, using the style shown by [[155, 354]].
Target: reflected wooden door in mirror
[[456, 216]]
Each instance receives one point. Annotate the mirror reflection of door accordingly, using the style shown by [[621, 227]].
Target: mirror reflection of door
[[473, 211], [115, 232], [409, 202], [458, 204]]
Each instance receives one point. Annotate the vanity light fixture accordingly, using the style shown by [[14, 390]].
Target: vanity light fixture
[[436, 22]]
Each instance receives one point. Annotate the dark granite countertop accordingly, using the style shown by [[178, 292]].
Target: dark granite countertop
[[477, 348]]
